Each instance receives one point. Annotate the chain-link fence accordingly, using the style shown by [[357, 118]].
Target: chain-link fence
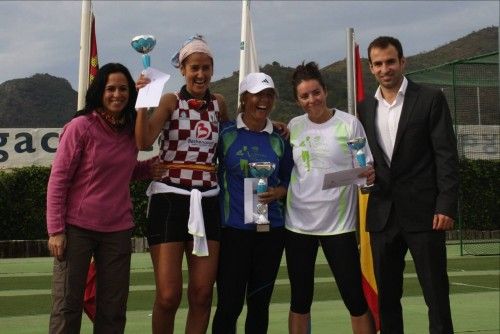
[[471, 88]]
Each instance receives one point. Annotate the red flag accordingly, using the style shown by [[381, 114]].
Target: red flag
[[360, 89], [89, 303], [368, 275], [93, 62]]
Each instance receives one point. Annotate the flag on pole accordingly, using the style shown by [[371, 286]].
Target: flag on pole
[[89, 302], [89, 66], [93, 62], [360, 88], [248, 53], [368, 275]]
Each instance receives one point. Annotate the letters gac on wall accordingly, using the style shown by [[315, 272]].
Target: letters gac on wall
[[21, 147]]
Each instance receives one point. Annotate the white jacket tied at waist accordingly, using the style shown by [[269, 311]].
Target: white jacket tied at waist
[[196, 224]]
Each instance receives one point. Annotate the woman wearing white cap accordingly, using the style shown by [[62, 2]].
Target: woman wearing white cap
[[249, 260], [322, 217], [183, 209]]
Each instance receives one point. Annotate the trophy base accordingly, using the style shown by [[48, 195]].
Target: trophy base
[[263, 228], [366, 189]]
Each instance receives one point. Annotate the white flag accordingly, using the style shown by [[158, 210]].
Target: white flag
[[248, 53]]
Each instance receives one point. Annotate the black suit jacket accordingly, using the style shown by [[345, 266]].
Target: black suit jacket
[[423, 176]]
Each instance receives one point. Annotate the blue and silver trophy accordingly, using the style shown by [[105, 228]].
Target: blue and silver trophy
[[144, 44], [261, 170], [357, 146]]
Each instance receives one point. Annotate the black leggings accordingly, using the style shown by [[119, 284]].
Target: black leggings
[[341, 252], [248, 265]]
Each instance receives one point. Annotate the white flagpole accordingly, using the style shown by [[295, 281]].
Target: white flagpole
[[83, 71], [351, 88], [248, 53], [253, 65]]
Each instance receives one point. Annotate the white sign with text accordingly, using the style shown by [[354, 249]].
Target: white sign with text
[[21, 147]]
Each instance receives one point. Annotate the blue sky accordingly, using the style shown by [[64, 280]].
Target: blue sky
[[44, 36]]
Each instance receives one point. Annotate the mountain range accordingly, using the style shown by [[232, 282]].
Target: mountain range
[[45, 101]]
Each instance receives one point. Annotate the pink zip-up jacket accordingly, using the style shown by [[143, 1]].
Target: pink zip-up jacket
[[91, 172]]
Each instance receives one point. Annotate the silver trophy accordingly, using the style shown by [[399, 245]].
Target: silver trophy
[[144, 44], [261, 170], [357, 146]]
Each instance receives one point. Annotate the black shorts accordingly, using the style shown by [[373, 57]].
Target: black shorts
[[341, 252], [169, 214]]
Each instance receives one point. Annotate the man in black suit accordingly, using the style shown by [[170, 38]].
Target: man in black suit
[[414, 201]]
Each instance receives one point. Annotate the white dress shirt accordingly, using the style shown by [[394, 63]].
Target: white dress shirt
[[387, 119]]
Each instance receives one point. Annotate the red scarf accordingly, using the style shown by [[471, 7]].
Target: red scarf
[[116, 122]]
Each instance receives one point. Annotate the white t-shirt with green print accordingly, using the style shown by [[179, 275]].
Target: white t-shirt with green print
[[319, 149]]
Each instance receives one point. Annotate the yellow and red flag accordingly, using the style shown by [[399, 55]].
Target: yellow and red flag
[[89, 302], [93, 62], [368, 275], [87, 65]]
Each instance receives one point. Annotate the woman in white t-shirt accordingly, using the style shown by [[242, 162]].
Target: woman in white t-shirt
[[315, 216]]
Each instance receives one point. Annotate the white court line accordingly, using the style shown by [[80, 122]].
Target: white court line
[[474, 286]]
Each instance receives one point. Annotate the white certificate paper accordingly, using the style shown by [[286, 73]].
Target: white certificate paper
[[344, 178], [149, 95]]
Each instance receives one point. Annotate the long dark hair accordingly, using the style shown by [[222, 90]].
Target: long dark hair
[[93, 98], [304, 72]]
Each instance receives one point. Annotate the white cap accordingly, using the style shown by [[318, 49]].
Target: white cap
[[256, 82]]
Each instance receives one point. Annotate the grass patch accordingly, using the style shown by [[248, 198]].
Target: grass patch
[[323, 291]]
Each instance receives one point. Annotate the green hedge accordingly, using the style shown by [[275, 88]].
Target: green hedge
[[23, 192], [479, 194], [22, 203]]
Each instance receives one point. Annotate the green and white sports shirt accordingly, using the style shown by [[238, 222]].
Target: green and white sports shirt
[[319, 149]]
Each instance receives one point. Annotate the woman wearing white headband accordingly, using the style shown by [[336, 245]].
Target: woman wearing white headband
[[183, 210]]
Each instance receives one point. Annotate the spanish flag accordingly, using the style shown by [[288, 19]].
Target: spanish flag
[[368, 275], [89, 302], [88, 65], [93, 62]]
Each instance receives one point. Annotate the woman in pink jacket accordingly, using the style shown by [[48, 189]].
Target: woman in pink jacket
[[89, 210]]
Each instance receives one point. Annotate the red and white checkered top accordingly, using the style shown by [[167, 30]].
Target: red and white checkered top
[[190, 138]]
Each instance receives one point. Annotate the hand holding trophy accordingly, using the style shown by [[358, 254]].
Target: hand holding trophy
[[357, 146], [144, 44], [261, 170]]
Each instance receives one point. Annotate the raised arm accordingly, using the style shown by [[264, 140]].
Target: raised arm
[[147, 128]]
